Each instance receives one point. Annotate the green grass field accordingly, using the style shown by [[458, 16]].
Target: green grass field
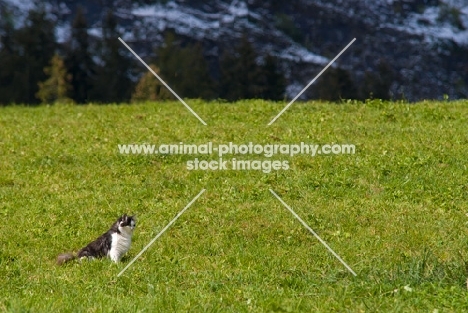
[[395, 211]]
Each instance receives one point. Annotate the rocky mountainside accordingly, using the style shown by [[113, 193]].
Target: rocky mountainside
[[423, 44]]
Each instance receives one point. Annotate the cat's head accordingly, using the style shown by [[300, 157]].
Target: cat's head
[[127, 223]]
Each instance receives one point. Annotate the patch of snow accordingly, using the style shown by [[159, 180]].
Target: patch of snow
[[201, 25], [456, 3], [300, 54], [128, 37], [64, 9], [172, 15], [22, 5], [62, 32], [95, 32], [238, 8], [434, 30], [293, 90], [19, 9]]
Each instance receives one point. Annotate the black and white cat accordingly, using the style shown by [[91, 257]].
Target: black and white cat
[[113, 244]]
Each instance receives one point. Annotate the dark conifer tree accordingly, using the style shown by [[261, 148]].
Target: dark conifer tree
[[185, 69], [377, 84], [167, 59], [112, 81], [37, 40], [241, 76], [275, 83], [8, 58], [28, 51], [196, 81], [79, 62], [229, 87], [336, 84]]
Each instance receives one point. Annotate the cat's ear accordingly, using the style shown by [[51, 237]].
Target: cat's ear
[[122, 219]]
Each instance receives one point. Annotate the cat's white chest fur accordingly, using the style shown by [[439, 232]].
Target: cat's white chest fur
[[120, 244]]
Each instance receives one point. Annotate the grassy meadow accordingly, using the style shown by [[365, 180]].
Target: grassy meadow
[[395, 211]]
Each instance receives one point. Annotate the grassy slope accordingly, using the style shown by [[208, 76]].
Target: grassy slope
[[395, 211]]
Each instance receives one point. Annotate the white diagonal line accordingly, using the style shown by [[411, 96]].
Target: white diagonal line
[[313, 233], [311, 82], [161, 232], [162, 81]]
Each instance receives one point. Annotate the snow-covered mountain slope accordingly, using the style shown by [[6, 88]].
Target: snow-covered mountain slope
[[425, 42]]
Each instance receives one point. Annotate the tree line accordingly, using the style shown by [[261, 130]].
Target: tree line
[[36, 69]]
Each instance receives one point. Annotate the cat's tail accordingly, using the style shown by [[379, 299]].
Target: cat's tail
[[65, 257]]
